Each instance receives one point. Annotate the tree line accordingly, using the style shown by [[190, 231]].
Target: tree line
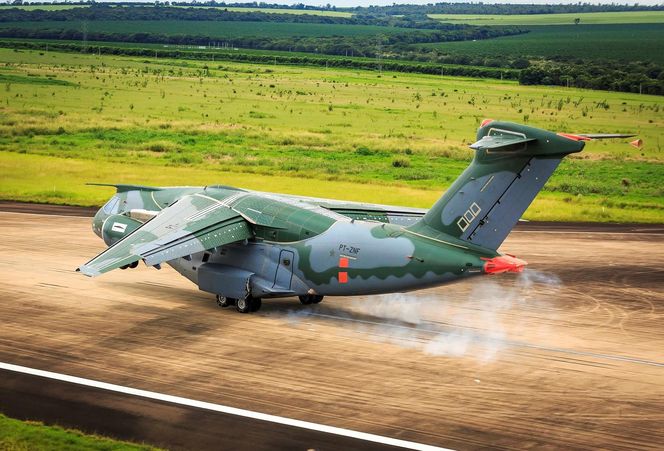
[[641, 77], [375, 46], [297, 60], [395, 9]]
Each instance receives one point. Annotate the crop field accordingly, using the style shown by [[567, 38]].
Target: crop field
[[66, 119], [627, 42], [210, 28], [627, 17]]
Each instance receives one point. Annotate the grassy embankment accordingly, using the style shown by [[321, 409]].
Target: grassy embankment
[[21, 436], [66, 119]]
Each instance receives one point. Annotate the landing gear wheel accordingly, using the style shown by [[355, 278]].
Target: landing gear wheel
[[134, 265], [248, 304], [223, 301], [310, 299]]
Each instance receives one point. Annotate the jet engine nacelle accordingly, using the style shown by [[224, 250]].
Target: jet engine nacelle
[[117, 227]]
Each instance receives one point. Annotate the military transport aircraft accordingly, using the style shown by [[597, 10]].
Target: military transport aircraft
[[244, 246]]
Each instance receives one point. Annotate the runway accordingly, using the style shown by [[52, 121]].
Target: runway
[[568, 354]]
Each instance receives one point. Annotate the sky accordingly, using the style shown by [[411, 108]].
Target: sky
[[350, 3]]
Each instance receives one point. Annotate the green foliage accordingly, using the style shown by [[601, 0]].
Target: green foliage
[[401, 162], [33, 79], [18, 436]]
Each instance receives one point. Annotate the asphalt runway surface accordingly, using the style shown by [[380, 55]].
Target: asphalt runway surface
[[568, 354]]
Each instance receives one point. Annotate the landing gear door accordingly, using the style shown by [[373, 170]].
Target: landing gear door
[[284, 274]]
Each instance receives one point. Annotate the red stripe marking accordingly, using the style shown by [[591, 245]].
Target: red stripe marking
[[343, 262], [343, 277]]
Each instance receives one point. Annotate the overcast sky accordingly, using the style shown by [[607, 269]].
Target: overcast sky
[[348, 3]]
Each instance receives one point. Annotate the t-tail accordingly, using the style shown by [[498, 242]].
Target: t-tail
[[511, 165]]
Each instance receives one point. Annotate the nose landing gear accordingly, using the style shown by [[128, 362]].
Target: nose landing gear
[[130, 265]]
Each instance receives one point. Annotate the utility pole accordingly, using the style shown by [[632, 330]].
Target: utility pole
[[85, 35]]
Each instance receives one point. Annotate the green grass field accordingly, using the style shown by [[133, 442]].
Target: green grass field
[[627, 42], [210, 28], [29, 435], [330, 133], [627, 17]]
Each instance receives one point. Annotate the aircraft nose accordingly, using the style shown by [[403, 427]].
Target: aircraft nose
[[98, 222]]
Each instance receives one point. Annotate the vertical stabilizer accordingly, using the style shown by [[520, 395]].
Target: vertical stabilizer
[[511, 165]]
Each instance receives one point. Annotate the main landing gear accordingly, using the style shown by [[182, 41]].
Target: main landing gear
[[130, 265], [244, 305], [252, 304], [310, 299]]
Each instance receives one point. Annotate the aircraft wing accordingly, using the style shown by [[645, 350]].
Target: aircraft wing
[[366, 211], [193, 224]]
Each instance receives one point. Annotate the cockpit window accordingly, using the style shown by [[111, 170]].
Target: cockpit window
[[112, 206]]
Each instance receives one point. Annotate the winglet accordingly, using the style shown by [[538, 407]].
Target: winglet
[[88, 271]]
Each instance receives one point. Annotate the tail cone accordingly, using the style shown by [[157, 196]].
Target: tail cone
[[503, 263]]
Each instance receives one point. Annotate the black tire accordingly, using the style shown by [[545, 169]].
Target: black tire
[[317, 298], [244, 305], [223, 301], [256, 304], [305, 300], [134, 265]]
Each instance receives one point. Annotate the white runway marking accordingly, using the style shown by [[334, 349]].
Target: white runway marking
[[220, 408]]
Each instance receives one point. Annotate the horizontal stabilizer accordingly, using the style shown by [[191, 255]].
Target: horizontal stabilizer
[[591, 136], [606, 135], [500, 142]]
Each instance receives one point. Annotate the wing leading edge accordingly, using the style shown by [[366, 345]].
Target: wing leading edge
[[193, 224]]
